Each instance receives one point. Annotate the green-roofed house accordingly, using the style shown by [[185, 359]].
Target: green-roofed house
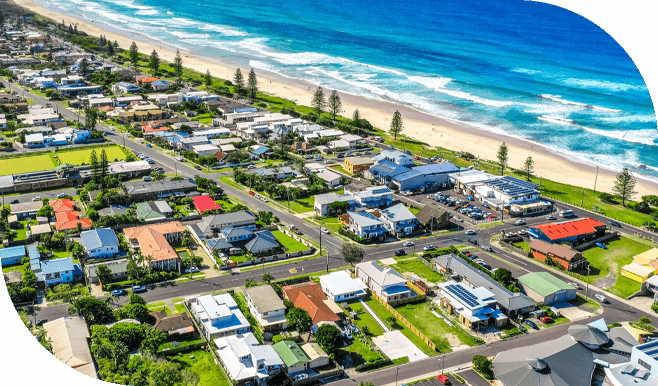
[[292, 355], [153, 211], [545, 288]]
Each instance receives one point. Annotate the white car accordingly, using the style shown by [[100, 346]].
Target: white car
[[61, 195], [459, 219], [520, 222], [470, 232], [409, 244], [37, 198], [324, 230], [429, 247], [179, 159]]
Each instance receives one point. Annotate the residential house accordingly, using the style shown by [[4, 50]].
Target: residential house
[[59, 271], [101, 243], [395, 156], [262, 244], [125, 88], [385, 282], [205, 150], [432, 218], [340, 286], [309, 296], [205, 203], [352, 140], [545, 288], [113, 210], [322, 203], [573, 232], [34, 140], [144, 191], [398, 220], [74, 91], [475, 306], [365, 225], [292, 355], [213, 133], [40, 230], [215, 223], [197, 96], [174, 325], [12, 255], [247, 362], [317, 356], [154, 242], [65, 221], [266, 306], [168, 100], [332, 179], [279, 174], [65, 205], [127, 100], [512, 304], [261, 151], [153, 211], [118, 268], [356, 165], [564, 255], [642, 267], [218, 316], [68, 337], [431, 176], [374, 197], [189, 143]]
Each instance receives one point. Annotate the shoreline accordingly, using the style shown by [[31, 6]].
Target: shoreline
[[418, 125]]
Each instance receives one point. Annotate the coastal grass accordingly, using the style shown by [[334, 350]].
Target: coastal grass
[[29, 164], [302, 205], [523, 245], [288, 242], [79, 157]]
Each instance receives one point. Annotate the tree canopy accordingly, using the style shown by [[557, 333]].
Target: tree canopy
[[352, 253], [299, 319]]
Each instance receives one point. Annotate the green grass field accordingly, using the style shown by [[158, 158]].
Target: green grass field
[[419, 269], [523, 245], [288, 242], [202, 363], [30, 164], [78, 157], [364, 319], [331, 223]]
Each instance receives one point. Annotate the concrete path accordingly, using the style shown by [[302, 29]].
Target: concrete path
[[372, 313], [395, 345]]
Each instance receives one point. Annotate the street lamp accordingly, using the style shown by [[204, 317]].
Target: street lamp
[[397, 370]]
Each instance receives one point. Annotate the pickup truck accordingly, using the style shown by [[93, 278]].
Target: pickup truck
[[294, 229]]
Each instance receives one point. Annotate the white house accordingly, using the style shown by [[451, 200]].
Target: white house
[[219, 315], [266, 307], [166, 99], [333, 179], [365, 225], [340, 286], [399, 220], [352, 140], [100, 243], [205, 149], [246, 361], [475, 306], [385, 282], [506, 190], [395, 156]]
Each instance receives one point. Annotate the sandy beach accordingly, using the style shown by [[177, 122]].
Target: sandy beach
[[427, 128]]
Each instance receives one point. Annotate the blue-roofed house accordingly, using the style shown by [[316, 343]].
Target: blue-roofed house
[[236, 234], [160, 85], [35, 258], [81, 136], [384, 171], [365, 225], [59, 271], [421, 176], [218, 315], [263, 243], [100, 243], [395, 156], [398, 220], [125, 88], [374, 197], [219, 244], [262, 151], [12, 255]]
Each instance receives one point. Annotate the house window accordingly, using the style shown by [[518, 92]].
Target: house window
[[644, 364]]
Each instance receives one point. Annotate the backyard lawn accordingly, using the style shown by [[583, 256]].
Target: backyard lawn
[[340, 169], [35, 163], [331, 223], [303, 205], [606, 265], [365, 354], [436, 329], [364, 319], [77, 157], [523, 245], [420, 269], [288, 242], [227, 205], [202, 363]]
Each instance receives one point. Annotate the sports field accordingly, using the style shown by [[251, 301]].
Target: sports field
[[19, 165], [77, 157]]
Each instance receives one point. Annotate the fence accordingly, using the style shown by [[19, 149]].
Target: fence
[[404, 321], [593, 242], [316, 378], [514, 249]]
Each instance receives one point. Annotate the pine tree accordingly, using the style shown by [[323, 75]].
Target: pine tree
[[95, 167], [335, 103], [84, 66], [208, 78], [319, 101], [252, 83], [396, 124], [624, 187], [503, 157], [103, 167], [134, 54], [356, 118], [528, 166], [110, 50], [178, 65], [238, 82], [154, 62]]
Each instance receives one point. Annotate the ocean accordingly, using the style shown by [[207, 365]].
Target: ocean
[[524, 69]]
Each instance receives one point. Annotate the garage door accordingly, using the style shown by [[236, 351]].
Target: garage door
[[561, 296]]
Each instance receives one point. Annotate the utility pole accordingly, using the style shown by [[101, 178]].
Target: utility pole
[[396, 376], [587, 284]]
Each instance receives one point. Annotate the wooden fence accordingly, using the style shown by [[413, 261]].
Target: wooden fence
[[514, 248], [404, 321]]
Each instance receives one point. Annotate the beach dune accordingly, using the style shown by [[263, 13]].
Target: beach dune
[[424, 127]]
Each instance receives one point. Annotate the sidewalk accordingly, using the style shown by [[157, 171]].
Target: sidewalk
[[372, 313]]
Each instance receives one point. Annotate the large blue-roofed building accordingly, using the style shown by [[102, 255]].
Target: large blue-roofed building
[[422, 176], [100, 243], [384, 171], [12, 255]]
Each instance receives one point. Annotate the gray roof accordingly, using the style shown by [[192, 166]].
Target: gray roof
[[507, 299], [113, 210], [384, 276], [229, 232], [97, 238], [364, 219], [160, 186], [25, 207], [262, 241], [220, 244], [229, 218], [397, 212], [265, 298], [588, 335], [328, 198], [116, 267]]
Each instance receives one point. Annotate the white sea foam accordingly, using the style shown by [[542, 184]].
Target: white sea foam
[[527, 71], [605, 109], [627, 119], [647, 137], [603, 84], [557, 98], [226, 31], [556, 120], [184, 21], [430, 82], [169, 13], [188, 35], [147, 12], [130, 4]]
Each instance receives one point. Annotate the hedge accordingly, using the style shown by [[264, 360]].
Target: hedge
[[373, 365]]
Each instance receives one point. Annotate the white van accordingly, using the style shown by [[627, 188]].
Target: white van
[[600, 298]]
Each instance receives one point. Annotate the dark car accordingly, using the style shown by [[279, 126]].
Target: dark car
[[467, 253], [615, 224], [40, 322], [472, 241], [530, 323], [14, 202], [400, 252]]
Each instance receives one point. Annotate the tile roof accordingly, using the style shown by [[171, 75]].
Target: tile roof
[[97, 238], [562, 251], [70, 220], [152, 241], [556, 231], [65, 205], [205, 203], [314, 304], [174, 322]]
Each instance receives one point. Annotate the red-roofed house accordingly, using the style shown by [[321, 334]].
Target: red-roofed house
[[148, 79], [572, 232], [204, 203], [65, 205], [106, 108], [310, 297], [70, 220], [154, 241], [153, 129]]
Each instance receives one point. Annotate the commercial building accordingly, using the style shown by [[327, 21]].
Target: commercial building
[[566, 256], [573, 232], [218, 315], [385, 282], [430, 177], [266, 307], [545, 288]]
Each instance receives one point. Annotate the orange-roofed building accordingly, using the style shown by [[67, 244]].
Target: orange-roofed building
[[69, 220], [148, 79], [151, 129], [309, 296], [572, 232], [65, 205], [106, 108], [155, 243]]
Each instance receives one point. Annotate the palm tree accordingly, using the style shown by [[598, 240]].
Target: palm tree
[[114, 350]]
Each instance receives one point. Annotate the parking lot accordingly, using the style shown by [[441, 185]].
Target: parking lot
[[435, 382]]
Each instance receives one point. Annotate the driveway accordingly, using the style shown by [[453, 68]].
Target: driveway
[[395, 345], [570, 311], [473, 378]]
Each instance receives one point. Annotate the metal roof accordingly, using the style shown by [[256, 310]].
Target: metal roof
[[97, 238], [440, 168], [388, 169], [57, 265], [512, 186]]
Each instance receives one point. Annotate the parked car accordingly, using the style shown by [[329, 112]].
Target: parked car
[[601, 298], [197, 167], [615, 223], [40, 322], [470, 232], [459, 219], [147, 178], [61, 195], [574, 285], [409, 244], [117, 292], [467, 253], [150, 161], [443, 379], [14, 202], [149, 145], [487, 248], [366, 153], [472, 241], [546, 319], [308, 156], [400, 252], [531, 324], [179, 159], [139, 288], [192, 270], [429, 247], [519, 222], [324, 230], [37, 198], [251, 167], [549, 217]]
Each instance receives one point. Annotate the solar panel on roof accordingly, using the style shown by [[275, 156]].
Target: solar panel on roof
[[369, 215], [381, 191]]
